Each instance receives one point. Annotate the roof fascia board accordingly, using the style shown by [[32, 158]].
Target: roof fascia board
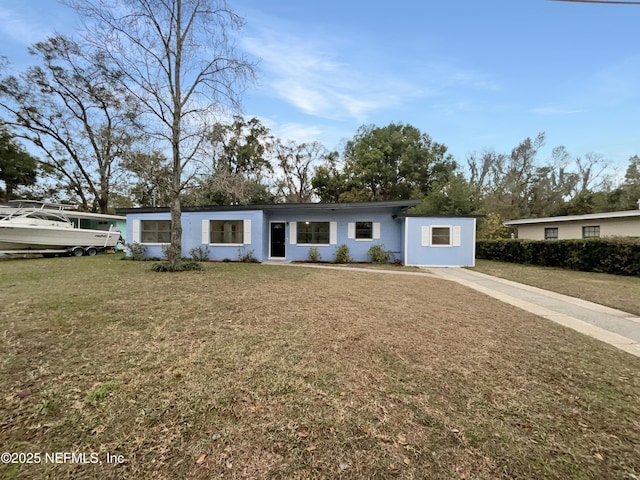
[[399, 204], [573, 218]]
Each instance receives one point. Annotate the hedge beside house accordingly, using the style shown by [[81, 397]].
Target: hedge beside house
[[616, 255]]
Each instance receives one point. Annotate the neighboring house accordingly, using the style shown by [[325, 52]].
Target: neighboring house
[[97, 221], [287, 231], [592, 225]]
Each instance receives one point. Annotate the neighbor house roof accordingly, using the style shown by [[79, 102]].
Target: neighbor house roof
[[398, 204], [573, 218]]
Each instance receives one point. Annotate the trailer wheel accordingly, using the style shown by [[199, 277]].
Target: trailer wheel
[[77, 252], [91, 251]]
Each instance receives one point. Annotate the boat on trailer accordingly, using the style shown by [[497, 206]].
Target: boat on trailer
[[49, 232]]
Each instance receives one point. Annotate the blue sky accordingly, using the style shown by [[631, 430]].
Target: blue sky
[[473, 75]]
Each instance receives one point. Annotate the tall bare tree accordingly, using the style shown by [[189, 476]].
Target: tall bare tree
[[298, 163], [179, 60]]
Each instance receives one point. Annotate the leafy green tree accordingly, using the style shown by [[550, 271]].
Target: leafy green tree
[[240, 167], [454, 198], [627, 194], [17, 167], [71, 108], [152, 174], [385, 163], [395, 162], [240, 148], [329, 182], [492, 227]]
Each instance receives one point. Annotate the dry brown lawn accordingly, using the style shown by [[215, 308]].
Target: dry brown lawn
[[262, 371]]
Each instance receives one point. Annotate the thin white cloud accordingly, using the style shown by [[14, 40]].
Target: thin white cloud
[[19, 29], [298, 132], [312, 80], [554, 110], [611, 86], [617, 83]]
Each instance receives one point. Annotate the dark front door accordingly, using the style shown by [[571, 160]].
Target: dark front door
[[277, 240]]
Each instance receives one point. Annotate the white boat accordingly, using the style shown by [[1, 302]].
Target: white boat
[[28, 229]]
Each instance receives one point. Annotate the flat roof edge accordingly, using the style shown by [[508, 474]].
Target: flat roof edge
[[573, 218], [404, 204]]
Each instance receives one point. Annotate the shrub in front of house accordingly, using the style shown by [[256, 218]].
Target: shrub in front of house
[[314, 254], [138, 251], [614, 255], [200, 254], [378, 254], [342, 254], [247, 257], [181, 266]]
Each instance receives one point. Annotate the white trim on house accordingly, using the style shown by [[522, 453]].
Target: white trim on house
[[406, 242], [447, 245], [135, 231], [570, 218], [333, 234], [206, 239], [456, 233], [206, 233], [474, 243], [246, 234], [624, 223], [376, 230], [285, 240], [425, 236], [455, 236], [293, 233]]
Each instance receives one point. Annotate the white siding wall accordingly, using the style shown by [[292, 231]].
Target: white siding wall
[[627, 227]]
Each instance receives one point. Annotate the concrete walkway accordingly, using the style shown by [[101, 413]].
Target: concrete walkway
[[620, 329]]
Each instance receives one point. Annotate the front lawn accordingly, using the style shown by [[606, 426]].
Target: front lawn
[[266, 371]]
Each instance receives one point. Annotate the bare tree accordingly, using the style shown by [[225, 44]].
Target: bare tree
[[592, 173], [298, 163], [177, 57]]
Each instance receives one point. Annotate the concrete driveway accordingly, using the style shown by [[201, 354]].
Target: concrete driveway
[[620, 329]]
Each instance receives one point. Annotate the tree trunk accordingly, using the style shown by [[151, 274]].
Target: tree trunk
[[174, 252]]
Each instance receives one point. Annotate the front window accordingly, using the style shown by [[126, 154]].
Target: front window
[[591, 232], [227, 231], [440, 236], [551, 233], [156, 231], [313, 233], [364, 230]]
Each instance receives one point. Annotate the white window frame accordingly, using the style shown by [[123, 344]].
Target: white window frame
[[548, 229], [585, 227], [137, 230], [375, 231], [333, 233], [455, 236], [246, 232]]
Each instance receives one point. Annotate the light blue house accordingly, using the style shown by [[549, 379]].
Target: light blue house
[[286, 232]]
